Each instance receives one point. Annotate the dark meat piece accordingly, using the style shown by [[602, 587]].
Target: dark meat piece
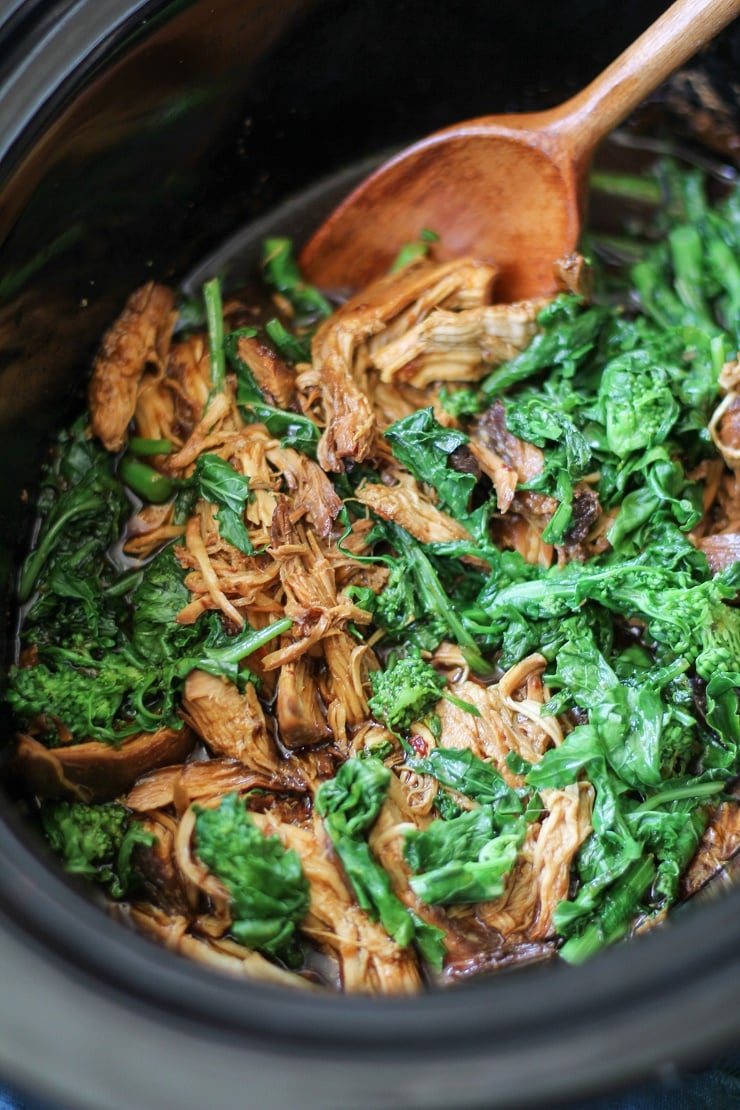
[[140, 337], [586, 511], [95, 772], [275, 379], [463, 460], [526, 459]]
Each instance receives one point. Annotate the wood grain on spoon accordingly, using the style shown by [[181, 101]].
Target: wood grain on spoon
[[507, 189]]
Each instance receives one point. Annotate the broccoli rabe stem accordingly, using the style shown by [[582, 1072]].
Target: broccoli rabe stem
[[215, 318], [626, 186], [144, 480], [618, 910], [436, 599], [143, 445], [245, 643], [35, 562]]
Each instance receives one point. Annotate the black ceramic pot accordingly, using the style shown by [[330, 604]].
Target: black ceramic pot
[[134, 138]]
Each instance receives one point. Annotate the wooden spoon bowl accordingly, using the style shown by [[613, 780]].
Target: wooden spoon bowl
[[507, 189]]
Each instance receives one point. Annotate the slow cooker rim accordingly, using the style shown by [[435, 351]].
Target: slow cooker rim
[[71, 47], [48, 907]]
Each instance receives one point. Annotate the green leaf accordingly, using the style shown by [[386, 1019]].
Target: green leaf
[[470, 876], [289, 345], [464, 772], [423, 445], [349, 805], [269, 892], [219, 483], [282, 273]]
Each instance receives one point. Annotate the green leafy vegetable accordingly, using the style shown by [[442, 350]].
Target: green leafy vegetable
[[410, 252], [81, 497], [406, 691], [282, 273], [424, 447], [292, 428], [462, 771], [95, 841], [103, 673], [297, 350], [219, 483], [461, 860], [349, 805], [269, 892]]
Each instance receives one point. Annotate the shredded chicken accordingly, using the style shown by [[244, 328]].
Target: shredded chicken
[[407, 506], [458, 346], [313, 552], [541, 877], [222, 954], [428, 322], [724, 427], [95, 771], [369, 961], [139, 338], [233, 725], [507, 718]]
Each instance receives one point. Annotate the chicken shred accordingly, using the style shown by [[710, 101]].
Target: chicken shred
[[303, 703], [427, 322], [139, 338]]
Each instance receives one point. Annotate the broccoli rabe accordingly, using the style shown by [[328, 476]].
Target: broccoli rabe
[[282, 273], [405, 692], [269, 891], [461, 860], [95, 841], [349, 804], [123, 692]]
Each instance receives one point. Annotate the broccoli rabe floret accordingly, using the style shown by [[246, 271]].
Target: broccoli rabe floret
[[94, 841], [406, 691], [394, 606], [85, 699], [720, 639], [269, 892]]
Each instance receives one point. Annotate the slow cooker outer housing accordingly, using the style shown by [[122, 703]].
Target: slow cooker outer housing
[[133, 138]]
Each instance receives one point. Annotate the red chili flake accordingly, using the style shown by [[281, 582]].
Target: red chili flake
[[419, 744]]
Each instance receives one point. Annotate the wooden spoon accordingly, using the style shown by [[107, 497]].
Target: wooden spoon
[[509, 189]]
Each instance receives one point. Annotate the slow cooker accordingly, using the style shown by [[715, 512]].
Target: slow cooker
[[135, 140]]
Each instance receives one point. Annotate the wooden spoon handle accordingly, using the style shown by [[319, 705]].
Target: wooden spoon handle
[[669, 42]]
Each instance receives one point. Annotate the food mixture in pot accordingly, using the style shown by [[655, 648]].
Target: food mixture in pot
[[381, 644]]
